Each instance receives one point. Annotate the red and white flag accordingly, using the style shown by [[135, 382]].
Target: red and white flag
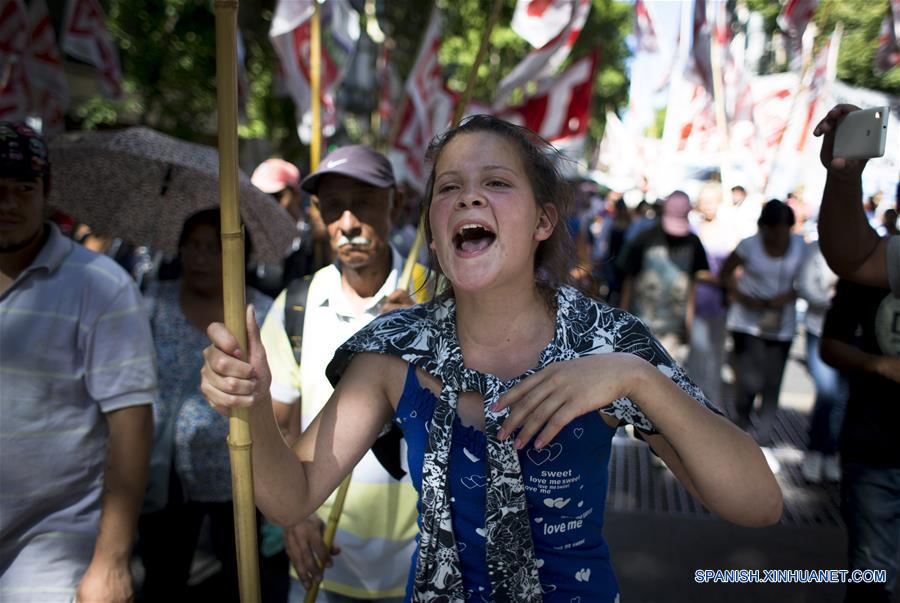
[[822, 74], [697, 129], [390, 87], [14, 95], [291, 35], [47, 80], [796, 15], [560, 109], [428, 109], [539, 21], [699, 67], [644, 30], [793, 20], [542, 62], [85, 37], [887, 56]]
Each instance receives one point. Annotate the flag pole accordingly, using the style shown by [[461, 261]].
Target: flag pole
[[406, 275], [239, 439], [715, 60], [315, 89], [315, 79]]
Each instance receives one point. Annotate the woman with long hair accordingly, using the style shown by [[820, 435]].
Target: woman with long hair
[[508, 388]]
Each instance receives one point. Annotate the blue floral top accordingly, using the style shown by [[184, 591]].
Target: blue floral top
[[566, 496], [181, 413]]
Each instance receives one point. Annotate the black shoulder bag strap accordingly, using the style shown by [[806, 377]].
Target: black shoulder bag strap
[[295, 311]]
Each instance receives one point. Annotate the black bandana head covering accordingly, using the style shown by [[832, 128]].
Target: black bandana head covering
[[425, 335], [23, 153]]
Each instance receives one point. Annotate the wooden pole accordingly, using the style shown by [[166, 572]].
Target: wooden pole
[[315, 86], [331, 526], [315, 82], [457, 117], [716, 45], [315, 150], [239, 441]]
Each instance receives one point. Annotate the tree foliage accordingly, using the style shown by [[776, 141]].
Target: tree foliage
[[167, 50], [862, 21]]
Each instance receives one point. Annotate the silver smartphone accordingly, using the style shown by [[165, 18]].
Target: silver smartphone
[[861, 134]]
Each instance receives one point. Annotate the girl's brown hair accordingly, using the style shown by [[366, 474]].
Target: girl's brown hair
[[555, 255]]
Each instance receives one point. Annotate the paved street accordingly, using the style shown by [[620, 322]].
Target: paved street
[[659, 536]]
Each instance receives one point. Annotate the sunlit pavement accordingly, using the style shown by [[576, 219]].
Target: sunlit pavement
[[659, 536]]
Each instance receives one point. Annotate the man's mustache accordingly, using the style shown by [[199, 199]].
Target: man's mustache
[[357, 240]]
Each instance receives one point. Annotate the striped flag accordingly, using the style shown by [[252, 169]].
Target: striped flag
[[561, 108], [822, 74], [49, 90], [796, 15], [793, 20], [290, 35], [644, 30], [699, 68], [85, 37], [428, 110], [887, 56], [539, 21], [14, 96], [542, 62]]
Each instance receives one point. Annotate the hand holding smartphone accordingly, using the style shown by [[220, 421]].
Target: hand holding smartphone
[[861, 134]]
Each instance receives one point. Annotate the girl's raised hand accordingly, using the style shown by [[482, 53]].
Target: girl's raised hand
[[550, 399], [228, 380]]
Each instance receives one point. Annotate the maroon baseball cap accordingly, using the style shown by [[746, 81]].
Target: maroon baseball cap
[[355, 161], [675, 212]]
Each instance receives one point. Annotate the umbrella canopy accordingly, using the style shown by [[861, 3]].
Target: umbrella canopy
[[140, 185]]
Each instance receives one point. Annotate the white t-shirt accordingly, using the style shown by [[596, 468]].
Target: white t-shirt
[[766, 277]]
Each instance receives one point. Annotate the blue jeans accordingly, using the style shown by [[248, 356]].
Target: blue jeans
[[870, 504], [831, 400]]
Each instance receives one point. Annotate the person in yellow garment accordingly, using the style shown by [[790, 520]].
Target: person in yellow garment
[[356, 195]]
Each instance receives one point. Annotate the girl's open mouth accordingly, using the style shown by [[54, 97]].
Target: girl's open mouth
[[470, 239]]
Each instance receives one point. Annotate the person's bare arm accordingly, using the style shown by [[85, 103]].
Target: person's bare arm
[[287, 415], [292, 483], [718, 462], [726, 274], [850, 245], [690, 309], [846, 357], [108, 577]]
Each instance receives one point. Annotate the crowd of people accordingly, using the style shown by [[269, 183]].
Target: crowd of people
[[474, 405]]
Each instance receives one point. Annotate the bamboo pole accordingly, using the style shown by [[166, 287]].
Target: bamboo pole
[[457, 117], [239, 440], [315, 82], [331, 526], [315, 98]]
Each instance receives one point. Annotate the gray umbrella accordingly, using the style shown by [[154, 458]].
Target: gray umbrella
[[140, 185]]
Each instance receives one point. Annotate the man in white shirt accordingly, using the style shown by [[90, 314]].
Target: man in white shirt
[[355, 188], [78, 379]]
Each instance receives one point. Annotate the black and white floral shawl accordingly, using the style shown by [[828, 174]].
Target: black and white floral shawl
[[425, 335]]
